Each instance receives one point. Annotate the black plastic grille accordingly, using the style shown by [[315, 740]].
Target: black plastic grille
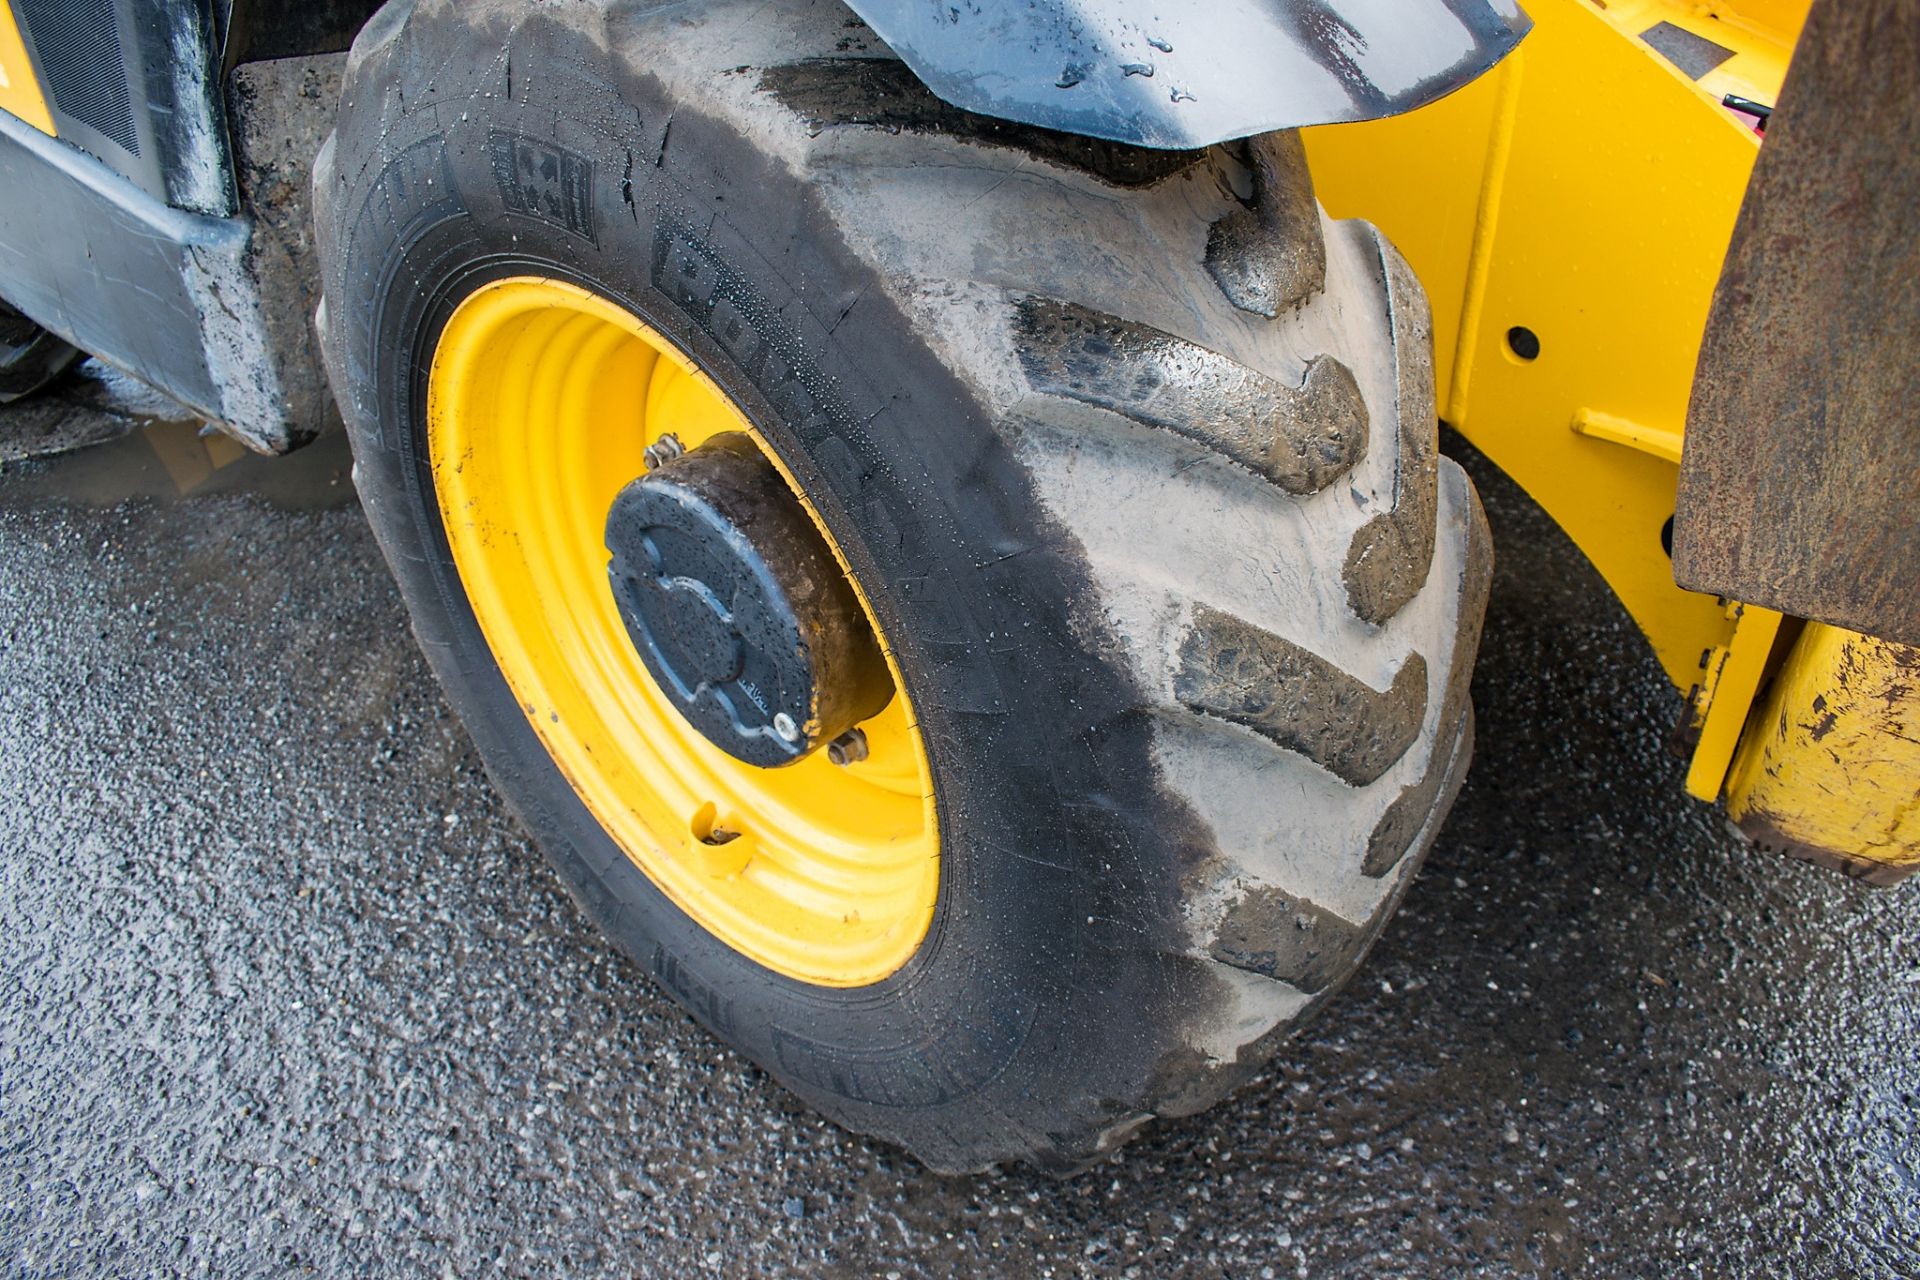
[[80, 55]]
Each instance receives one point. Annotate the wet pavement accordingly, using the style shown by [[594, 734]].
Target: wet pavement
[[284, 991]]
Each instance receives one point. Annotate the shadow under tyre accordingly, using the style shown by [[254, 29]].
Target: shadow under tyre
[[1094, 489], [30, 357]]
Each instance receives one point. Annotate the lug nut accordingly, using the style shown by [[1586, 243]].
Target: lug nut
[[662, 451], [849, 748]]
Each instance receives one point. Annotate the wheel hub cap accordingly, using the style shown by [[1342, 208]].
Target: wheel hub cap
[[541, 403], [735, 604]]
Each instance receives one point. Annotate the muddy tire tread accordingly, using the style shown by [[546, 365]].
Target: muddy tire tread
[[1223, 404]]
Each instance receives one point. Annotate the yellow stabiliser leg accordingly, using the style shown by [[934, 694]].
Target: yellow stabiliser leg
[[1830, 770]]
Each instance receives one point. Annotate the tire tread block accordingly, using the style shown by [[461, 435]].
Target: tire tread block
[[1236, 671], [1406, 817], [1388, 559], [885, 95], [1299, 438], [1268, 255], [1277, 935]]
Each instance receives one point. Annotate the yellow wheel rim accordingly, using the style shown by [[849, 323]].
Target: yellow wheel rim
[[541, 398]]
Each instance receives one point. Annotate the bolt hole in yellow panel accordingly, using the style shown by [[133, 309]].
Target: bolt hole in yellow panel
[[1581, 194], [19, 90]]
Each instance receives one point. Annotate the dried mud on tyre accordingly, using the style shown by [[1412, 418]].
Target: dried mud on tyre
[[1133, 459]]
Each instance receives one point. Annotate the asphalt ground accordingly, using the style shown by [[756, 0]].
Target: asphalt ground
[[284, 991]]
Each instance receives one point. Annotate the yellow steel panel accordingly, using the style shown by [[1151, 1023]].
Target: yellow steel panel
[[1729, 680], [1420, 177], [1778, 20], [19, 91], [1832, 770], [1659, 442], [1585, 191]]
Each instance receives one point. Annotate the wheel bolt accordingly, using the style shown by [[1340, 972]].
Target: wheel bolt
[[849, 748], [662, 451]]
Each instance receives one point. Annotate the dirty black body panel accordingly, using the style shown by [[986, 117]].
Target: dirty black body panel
[[208, 309], [109, 267], [1189, 75], [166, 228]]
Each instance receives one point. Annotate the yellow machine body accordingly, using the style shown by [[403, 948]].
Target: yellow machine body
[[1836, 742], [1584, 191], [1569, 213], [19, 89]]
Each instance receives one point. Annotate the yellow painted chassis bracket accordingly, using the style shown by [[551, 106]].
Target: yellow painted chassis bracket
[[1831, 768], [1569, 213], [1584, 192], [19, 90], [1730, 679]]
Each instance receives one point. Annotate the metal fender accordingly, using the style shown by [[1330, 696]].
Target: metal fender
[[1188, 75]]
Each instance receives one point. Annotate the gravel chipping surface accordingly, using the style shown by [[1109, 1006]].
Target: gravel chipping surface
[[284, 991]]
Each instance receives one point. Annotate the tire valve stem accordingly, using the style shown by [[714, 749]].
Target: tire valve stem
[[662, 451], [784, 726], [849, 748]]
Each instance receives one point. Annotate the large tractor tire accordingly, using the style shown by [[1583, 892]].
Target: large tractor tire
[[1162, 605]]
